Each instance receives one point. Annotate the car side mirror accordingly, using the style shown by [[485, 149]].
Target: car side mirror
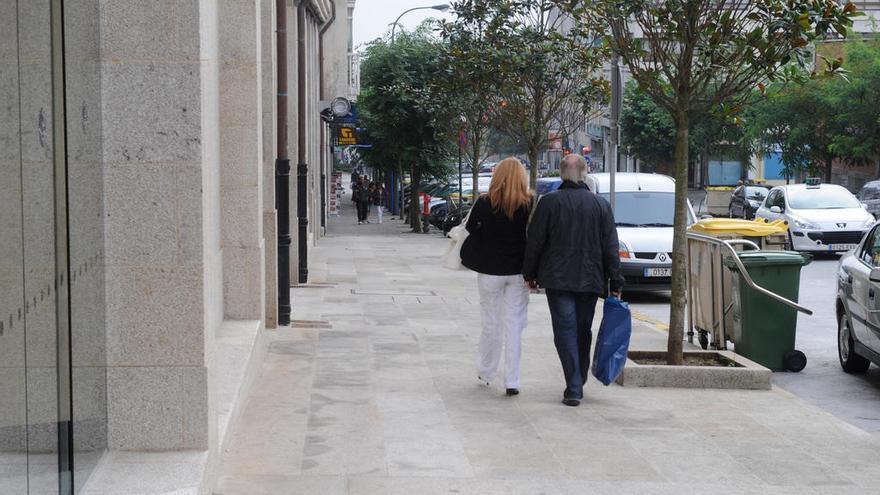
[[875, 275], [775, 209]]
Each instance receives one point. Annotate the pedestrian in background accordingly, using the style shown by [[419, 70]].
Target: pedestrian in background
[[358, 193], [494, 248], [378, 198], [572, 252], [364, 199]]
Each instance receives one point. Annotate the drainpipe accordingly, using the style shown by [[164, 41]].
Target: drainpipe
[[302, 167], [282, 166], [324, 185]]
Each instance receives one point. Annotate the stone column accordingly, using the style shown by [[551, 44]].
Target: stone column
[[270, 217], [241, 160], [159, 130]]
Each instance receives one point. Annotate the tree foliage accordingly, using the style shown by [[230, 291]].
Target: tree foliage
[[397, 107], [471, 85], [548, 66], [648, 134], [693, 56], [821, 120]]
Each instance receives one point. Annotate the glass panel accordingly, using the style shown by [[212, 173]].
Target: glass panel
[[13, 406], [41, 282], [85, 214]]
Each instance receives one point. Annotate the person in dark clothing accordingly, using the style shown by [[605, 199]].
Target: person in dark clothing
[[572, 252], [378, 200], [494, 248], [361, 196]]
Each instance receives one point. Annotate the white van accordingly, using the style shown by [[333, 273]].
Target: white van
[[644, 211]]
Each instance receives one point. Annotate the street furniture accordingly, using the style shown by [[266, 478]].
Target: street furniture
[[764, 329]]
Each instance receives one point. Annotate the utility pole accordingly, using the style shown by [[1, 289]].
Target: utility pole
[[615, 120]]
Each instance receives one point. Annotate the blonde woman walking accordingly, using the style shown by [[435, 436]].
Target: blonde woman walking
[[495, 248]]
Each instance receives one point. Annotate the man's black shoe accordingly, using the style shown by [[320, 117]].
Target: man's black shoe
[[512, 391], [571, 402]]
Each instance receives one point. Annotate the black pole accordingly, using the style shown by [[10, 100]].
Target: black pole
[[282, 168], [302, 168]]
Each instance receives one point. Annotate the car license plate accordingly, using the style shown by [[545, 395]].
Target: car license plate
[[841, 247], [658, 272]]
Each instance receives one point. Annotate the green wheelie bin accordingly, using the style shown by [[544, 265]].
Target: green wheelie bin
[[764, 328]]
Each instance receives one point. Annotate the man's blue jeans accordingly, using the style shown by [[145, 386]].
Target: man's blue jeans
[[572, 316]]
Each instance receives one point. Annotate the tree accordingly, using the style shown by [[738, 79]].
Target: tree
[[799, 120], [648, 133], [397, 109], [551, 68], [820, 120], [857, 97], [690, 56], [471, 84]]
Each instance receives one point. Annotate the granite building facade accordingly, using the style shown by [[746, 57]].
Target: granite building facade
[[138, 225]]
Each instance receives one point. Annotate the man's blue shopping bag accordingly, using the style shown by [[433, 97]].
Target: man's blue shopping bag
[[612, 341]]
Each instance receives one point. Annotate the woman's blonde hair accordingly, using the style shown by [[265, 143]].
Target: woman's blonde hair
[[509, 189]]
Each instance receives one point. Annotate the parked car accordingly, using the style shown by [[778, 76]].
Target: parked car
[[858, 305], [821, 217], [746, 200], [869, 195], [644, 211]]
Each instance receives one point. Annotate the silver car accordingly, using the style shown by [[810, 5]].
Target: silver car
[[858, 305]]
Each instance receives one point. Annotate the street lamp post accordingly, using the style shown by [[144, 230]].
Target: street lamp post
[[443, 7]]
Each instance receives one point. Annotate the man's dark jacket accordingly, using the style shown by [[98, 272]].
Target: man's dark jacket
[[572, 242]]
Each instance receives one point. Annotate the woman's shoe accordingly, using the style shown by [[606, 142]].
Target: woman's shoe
[[571, 402], [482, 381], [512, 391]]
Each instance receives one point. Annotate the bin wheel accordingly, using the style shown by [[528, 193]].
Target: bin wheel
[[794, 361], [704, 339]]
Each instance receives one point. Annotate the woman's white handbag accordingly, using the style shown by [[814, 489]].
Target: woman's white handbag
[[452, 258]]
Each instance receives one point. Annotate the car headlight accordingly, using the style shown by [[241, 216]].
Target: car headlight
[[624, 251], [803, 224], [869, 222], [755, 204]]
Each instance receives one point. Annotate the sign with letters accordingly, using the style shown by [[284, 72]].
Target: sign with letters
[[346, 136]]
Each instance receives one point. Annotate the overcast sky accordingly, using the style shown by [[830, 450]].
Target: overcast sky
[[373, 17]]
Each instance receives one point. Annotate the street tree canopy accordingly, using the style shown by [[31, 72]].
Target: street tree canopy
[[397, 108], [648, 134], [821, 120], [692, 56], [470, 84], [550, 67]]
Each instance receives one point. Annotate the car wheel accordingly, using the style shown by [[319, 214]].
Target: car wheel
[[849, 360]]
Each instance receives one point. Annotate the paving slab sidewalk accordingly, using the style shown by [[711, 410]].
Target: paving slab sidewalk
[[373, 391]]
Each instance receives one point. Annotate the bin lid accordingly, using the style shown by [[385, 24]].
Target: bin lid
[[770, 258], [750, 228]]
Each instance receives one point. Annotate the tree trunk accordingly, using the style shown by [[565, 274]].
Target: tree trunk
[[398, 205], [533, 168], [475, 167], [829, 165], [415, 204], [678, 303]]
